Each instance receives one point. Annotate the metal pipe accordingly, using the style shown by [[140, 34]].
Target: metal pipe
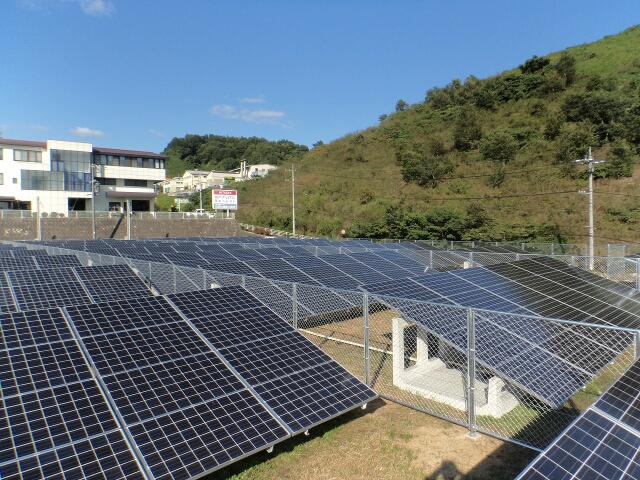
[[367, 358], [471, 370]]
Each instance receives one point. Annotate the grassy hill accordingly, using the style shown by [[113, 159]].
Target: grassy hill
[[488, 159]]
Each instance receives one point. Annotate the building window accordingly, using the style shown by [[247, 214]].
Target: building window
[[34, 156], [129, 182], [1, 157], [106, 181], [75, 167], [1, 178], [15, 180], [41, 180]]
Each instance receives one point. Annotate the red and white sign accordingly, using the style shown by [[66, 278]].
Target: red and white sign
[[225, 199]]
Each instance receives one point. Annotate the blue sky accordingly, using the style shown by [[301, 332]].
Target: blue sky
[[135, 73]]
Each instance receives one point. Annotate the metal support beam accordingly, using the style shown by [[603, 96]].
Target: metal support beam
[[294, 306], [367, 358], [471, 370]]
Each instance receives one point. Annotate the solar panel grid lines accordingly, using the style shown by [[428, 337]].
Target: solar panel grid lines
[[57, 260], [524, 273], [39, 289], [533, 368], [11, 263], [110, 282], [280, 352], [600, 443], [59, 422], [272, 357], [163, 397]]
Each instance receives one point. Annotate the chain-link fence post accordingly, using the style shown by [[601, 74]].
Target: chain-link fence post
[[204, 279], [471, 372], [294, 305], [636, 345], [243, 281], [367, 359]]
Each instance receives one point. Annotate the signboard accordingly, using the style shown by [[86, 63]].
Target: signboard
[[225, 199]]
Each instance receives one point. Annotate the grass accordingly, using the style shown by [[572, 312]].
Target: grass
[[385, 441]]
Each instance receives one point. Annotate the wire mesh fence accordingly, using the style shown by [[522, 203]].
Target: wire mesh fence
[[516, 377]]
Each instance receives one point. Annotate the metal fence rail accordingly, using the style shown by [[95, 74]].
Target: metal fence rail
[[398, 353]]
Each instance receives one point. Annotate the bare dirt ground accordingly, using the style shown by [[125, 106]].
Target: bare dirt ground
[[385, 441]]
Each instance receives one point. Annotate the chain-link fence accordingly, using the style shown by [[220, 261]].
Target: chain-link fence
[[515, 377]]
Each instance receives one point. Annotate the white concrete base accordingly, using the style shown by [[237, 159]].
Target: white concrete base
[[430, 378]]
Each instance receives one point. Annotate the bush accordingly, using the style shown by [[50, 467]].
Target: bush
[[566, 68], [499, 146], [534, 65], [466, 130]]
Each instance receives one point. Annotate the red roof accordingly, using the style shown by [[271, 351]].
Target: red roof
[[22, 143]]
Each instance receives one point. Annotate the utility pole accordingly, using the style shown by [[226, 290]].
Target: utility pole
[[591, 162], [95, 188], [293, 196]]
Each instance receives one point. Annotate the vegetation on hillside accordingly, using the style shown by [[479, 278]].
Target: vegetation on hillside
[[216, 152], [481, 159]]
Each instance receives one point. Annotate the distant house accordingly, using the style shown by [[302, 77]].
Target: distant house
[[253, 171], [194, 179], [171, 186]]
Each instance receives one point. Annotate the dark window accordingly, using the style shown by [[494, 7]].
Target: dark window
[[77, 204], [129, 182], [106, 181]]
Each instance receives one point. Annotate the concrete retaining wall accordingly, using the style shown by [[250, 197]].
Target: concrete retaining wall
[[82, 228]]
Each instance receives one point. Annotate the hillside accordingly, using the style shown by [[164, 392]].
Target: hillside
[[488, 159]]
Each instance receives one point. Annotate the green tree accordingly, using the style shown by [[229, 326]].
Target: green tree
[[534, 65], [466, 130], [499, 146], [566, 68], [620, 163], [401, 105], [319, 143]]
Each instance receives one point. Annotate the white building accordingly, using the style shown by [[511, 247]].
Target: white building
[[58, 174]]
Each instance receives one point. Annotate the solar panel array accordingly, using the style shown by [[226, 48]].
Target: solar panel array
[[32, 289], [54, 420], [130, 388], [602, 443], [541, 358], [302, 384]]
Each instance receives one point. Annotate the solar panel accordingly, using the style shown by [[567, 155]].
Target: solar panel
[[187, 412], [602, 443], [296, 379], [54, 420], [546, 362], [39, 289], [111, 282], [58, 261]]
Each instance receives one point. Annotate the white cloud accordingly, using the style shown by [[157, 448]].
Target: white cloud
[[96, 8], [251, 116], [226, 111], [156, 133], [86, 132], [258, 99], [262, 116], [39, 128]]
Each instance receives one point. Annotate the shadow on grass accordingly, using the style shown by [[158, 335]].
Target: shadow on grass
[[290, 445]]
